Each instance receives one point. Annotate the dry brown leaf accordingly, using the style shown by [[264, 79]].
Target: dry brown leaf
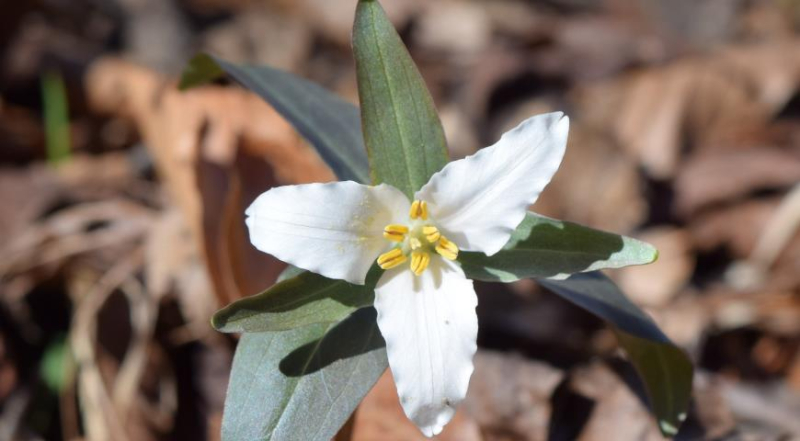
[[31, 192], [736, 227], [596, 185], [770, 410], [172, 265], [658, 283], [661, 111], [779, 242], [617, 413], [712, 410], [216, 149], [238, 39], [334, 20], [509, 396], [709, 179], [687, 319], [461, 29]]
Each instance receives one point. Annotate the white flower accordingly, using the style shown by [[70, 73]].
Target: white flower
[[426, 305]]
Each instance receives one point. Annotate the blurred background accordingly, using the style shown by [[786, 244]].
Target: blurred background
[[121, 221]]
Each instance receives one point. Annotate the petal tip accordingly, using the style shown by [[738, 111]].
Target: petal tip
[[563, 121]]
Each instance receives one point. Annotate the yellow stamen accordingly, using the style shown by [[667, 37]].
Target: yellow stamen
[[395, 233], [431, 233], [419, 261], [447, 249], [419, 210], [392, 258]]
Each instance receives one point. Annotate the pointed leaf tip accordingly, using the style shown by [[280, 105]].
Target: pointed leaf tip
[[665, 370], [201, 69], [549, 248], [402, 131]]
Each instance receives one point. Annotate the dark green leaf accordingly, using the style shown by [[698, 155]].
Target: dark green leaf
[[201, 69], [330, 124], [667, 375], [548, 248], [665, 370], [303, 383], [304, 299], [402, 131]]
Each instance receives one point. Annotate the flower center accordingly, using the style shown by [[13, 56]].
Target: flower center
[[418, 239]]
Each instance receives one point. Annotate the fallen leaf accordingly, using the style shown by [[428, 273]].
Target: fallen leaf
[[658, 283], [216, 149], [705, 180]]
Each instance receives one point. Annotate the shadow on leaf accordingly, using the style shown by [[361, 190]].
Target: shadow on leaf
[[314, 298], [353, 336], [547, 248]]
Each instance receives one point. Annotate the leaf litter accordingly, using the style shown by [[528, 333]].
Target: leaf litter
[[687, 137]]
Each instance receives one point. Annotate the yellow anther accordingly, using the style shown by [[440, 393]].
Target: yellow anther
[[395, 233], [431, 233], [419, 261], [419, 210], [447, 249], [391, 259], [414, 243]]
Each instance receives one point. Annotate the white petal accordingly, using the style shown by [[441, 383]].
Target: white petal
[[331, 229], [478, 201], [430, 327]]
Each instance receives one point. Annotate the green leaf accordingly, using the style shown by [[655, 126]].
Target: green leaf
[[57, 367], [301, 300], [667, 374], [404, 137], [303, 383], [202, 69], [56, 117], [329, 123], [548, 248], [665, 370]]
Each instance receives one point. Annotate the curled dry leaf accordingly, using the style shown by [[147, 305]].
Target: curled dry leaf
[[663, 111], [657, 284], [216, 149], [706, 179]]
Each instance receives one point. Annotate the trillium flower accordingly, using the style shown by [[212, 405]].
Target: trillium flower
[[425, 303]]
